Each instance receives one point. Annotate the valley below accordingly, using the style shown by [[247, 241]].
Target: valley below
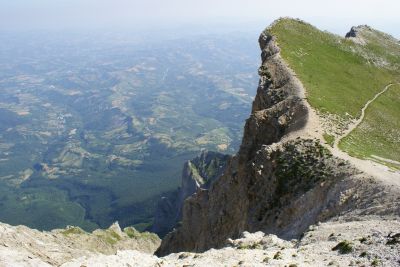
[[312, 179], [94, 132]]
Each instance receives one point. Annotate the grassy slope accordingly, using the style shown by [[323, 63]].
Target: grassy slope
[[340, 81], [337, 80], [368, 139]]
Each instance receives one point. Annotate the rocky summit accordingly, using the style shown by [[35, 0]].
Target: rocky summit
[[296, 194]]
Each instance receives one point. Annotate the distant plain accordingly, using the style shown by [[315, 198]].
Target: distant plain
[[94, 128]]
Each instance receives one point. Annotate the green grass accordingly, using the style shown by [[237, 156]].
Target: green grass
[[114, 235], [109, 236], [378, 134], [337, 80], [72, 231], [330, 139], [340, 78], [133, 233]]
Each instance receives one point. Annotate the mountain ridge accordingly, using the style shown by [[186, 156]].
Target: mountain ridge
[[286, 198], [279, 117]]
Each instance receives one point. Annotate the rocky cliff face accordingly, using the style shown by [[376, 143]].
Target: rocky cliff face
[[197, 174], [282, 180]]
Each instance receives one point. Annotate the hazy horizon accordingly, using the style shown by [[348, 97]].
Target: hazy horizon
[[120, 15]]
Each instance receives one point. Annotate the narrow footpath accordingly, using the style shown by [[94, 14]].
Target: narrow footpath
[[356, 123], [380, 171]]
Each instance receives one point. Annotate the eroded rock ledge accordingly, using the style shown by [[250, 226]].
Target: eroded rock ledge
[[278, 187]]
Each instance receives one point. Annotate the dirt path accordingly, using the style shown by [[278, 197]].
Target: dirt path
[[313, 129], [379, 171], [355, 124]]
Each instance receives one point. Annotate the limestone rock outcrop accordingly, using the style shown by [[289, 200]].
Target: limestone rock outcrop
[[279, 182], [23, 246], [198, 173], [358, 243]]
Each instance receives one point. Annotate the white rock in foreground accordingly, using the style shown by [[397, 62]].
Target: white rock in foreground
[[368, 242]]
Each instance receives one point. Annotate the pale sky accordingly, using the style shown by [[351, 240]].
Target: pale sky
[[333, 15]]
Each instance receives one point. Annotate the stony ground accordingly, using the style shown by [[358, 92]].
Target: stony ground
[[23, 246], [370, 242]]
